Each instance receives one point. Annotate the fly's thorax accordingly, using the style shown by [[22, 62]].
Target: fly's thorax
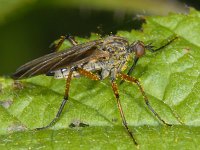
[[118, 51], [113, 44], [117, 48]]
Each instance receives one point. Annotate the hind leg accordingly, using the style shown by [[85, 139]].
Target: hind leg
[[55, 46]]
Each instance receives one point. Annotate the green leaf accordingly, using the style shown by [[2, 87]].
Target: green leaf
[[170, 77]]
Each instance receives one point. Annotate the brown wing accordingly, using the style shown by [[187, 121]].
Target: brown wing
[[74, 56]]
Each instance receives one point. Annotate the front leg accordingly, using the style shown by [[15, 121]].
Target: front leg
[[134, 80]]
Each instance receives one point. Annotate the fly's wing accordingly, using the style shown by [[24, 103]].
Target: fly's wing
[[74, 56]]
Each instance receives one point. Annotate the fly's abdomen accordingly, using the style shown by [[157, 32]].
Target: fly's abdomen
[[63, 73]]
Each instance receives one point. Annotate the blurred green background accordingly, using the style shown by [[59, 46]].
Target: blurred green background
[[28, 27]]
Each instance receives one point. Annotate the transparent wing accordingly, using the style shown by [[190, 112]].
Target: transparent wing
[[76, 55]]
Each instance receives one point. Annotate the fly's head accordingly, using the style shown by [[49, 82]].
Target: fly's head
[[138, 48]]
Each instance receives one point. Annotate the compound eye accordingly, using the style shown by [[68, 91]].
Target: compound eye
[[139, 49]]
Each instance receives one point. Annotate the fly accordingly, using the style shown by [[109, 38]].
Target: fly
[[96, 60]]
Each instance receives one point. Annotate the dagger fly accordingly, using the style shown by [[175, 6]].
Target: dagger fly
[[97, 60]]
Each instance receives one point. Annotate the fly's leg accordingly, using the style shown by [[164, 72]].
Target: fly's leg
[[132, 67], [80, 71], [115, 90], [86, 73], [134, 80], [56, 46], [65, 99], [72, 40], [170, 40]]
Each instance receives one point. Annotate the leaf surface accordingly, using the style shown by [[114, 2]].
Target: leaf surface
[[170, 78]]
